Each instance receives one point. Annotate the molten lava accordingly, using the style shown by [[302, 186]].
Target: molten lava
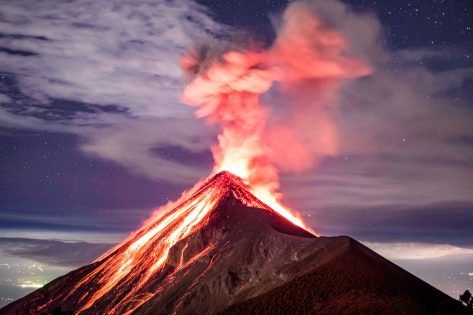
[[142, 256]]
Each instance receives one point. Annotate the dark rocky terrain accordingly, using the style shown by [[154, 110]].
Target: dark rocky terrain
[[244, 258]]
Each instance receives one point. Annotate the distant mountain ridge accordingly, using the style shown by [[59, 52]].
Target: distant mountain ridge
[[242, 257]]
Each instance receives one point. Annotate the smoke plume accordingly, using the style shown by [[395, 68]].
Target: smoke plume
[[304, 66]]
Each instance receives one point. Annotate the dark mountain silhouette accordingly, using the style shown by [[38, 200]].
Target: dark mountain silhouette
[[241, 258]]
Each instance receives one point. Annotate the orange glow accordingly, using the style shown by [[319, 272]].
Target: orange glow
[[144, 253], [229, 94], [227, 91]]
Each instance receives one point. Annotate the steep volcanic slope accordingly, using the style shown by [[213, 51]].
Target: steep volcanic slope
[[228, 252], [354, 280]]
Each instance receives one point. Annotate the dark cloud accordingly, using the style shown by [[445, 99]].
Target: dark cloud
[[53, 252], [54, 110], [442, 223], [17, 52], [21, 36], [104, 221]]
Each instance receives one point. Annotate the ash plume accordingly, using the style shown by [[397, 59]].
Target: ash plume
[[304, 67]]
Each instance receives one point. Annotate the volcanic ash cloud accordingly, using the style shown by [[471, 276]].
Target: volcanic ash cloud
[[305, 64]]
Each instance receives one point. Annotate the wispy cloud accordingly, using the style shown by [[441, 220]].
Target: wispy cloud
[[119, 62], [103, 52], [419, 251], [53, 252]]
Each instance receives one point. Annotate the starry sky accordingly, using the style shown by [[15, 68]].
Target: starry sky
[[93, 136]]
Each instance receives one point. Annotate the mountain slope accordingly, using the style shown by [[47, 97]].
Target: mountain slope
[[355, 280], [233, 254]]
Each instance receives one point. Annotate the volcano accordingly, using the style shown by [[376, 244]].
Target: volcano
[[223, 251]]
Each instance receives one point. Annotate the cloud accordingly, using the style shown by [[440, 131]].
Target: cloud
[[405, 141], [4, 98], [434, 223], [114, 66], [134, 143], [103, 52], [419, 251], [53, 252], [404, 132], [363, 30]]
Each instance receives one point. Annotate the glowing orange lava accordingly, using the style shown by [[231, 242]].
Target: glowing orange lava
[[144, 254]]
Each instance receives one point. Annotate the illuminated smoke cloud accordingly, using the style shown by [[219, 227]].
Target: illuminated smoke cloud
[[305, 64]]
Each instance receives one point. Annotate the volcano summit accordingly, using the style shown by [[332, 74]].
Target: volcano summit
[[221, 250]]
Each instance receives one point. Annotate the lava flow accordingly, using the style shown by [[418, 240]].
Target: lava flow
[[132, 263]]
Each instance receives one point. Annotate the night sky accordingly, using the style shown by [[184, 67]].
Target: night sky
[[93, 136]]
